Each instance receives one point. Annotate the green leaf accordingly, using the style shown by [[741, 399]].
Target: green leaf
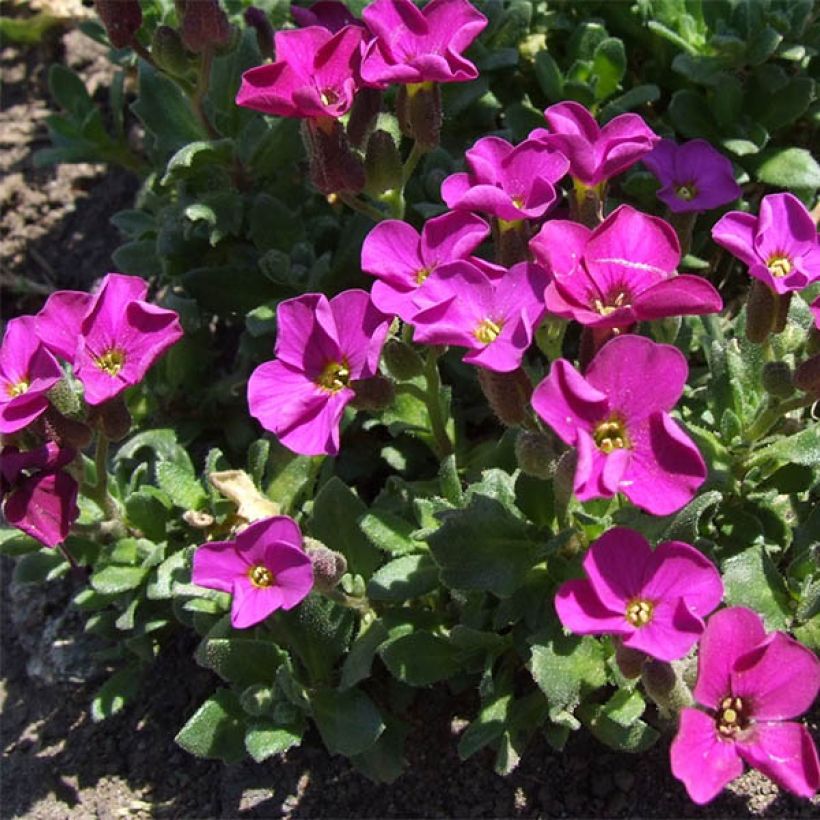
[[751, 579], [288, 476], [147, 510], [793, 168], [488, 726], [114, 580], [809, 633], [420, 658], [115, 693], [37, 567], [181, 486], [242, 661], [410, 576], [549, 76], [685, 524], [688, 113], [608, 67], [138, 258], [359, 659], [163, 443], [216, 729], [390, 532], [384, 761], [348, 721], [798, 448], [634, 98], [14, 543], [193, 157], [617, 723], [266, 738], [69, 91]]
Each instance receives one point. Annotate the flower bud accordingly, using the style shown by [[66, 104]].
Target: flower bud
[[418, 109], [114, 418], [664, 683], [564, 482], [333, 165], [511, 242], [807, 376], [781, 312], [66, 432], [508, 395], [374, 394], [122, 20], [66, 397], [630, 661], [204, 26], [382, 164], [401, 360], [168, 51], [363, 113], [761, 307], [256, 18], [536, 453], [328, 566], [777, 379], [813, 341]]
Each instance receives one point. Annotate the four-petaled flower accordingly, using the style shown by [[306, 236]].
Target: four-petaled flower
[[753, 683], [265, 568], [617, 416], [654, 600], [779, 245], [621, 273], [694, 176], [322, 347], [402, 259]]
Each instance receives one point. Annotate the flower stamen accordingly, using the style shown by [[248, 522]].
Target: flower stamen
[[111, 362], [18, 388], [334, 377], [487, 331], [611, 434], [779, 265], [731, 718], [261, 577], [687, 191], [639, 612], [421, 275]]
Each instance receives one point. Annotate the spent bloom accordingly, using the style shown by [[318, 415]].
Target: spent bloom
[[779, 245], [27, 372], [413, 46], [595, 154], [402, 259], [654, 600], [493, 316], [315, 74], [39, 497], [621, 273], [752, 683], [510, 182], [694, 176], [617, 417], [265, 568], [322, 348]]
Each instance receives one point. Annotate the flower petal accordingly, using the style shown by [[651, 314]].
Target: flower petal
[[679, 296], [671, 633], [582, 612], [251, 604], [615, 566], [217, 565]]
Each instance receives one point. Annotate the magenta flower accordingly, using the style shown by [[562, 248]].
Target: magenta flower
[[322, 348], [779, 245], [265, 568], [413, 45], [330, 14], [511, 183], [753, 683], [655, 601], [402, 259], [315, 74], [693, 176], [621, 273], [27, 372], [595, 154], [59, 320], [493, 317], [40, 498], [617, 416]]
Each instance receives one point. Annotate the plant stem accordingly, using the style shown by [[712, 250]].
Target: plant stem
[[416, 153], [438, 425], [362, 207], [198, 97], [99, 492], [766, 420]]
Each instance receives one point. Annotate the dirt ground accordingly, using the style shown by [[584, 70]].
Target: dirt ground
[[54, 233]]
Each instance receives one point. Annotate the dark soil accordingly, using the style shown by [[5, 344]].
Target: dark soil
[[57, 763]]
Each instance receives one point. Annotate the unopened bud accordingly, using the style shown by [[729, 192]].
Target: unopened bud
[[813, 341], [630, 661], [168, 51], [114, 418], [587, 203], [777, 379], [122, 20], [511, 242], [205, 26], [66, 432], [374, 394], [401, 360], [418, 109], [333, 165], [66, 397], [664, 683], [761, 307], [564, 482], [536, 453], [256, 18], [382, 164], [363, 113], [328, 565], [508, 395], [807, 376], [781, 312]]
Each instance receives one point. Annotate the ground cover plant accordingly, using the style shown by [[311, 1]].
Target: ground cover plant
[[481, 351]]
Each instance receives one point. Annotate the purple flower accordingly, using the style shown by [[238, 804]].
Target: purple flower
[[779, 245], [617, 416], [621, 273], [40, 498], [59, 320], [402, 259], [511, 183], [752, 683], [493, 316], [322, 348], [693, 176], [595, 154], [655, 601], [413, 45], [330, 14], [315, 74], [27, 372], [265, 568]]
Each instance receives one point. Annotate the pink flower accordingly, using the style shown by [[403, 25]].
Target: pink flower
[[27, 372], [315, 74], [330, 14], [511, 183], [655, 601], [322, 348], [265, 568], [413, 45], [59, 320], [621, 273], [779, 245], [493, 316], [617, 416], [39, 497], [595, 154], [752, 683], [694, 176], [402, 259]]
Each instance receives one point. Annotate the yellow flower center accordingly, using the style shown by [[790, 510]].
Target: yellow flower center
[[518, 201], [611, 305], [421, 275], [328, 96], [17, 389], [611, 435], [731, 717], [334, 377], [639, 612], [505, 225], [687, 192], [487, 331], [111, 362], [260, 576], [779, 265], [415, 88]]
